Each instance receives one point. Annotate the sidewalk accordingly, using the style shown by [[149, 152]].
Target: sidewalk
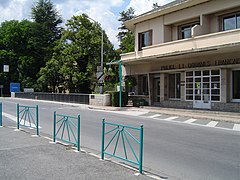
[[24, 157], [191, 113]]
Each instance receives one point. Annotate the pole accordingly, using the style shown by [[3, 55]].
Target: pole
[[0, 114], [141, 150], [78, 143], [18, 116], [103, 136], [101, 87], [54, 127], [120, 83], [37, 120]]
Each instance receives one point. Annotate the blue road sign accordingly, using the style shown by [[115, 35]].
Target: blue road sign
[[14, 87]]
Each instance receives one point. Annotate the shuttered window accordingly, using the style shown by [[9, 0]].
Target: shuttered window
[[144, 39]]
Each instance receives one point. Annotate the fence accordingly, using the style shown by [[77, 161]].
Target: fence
[[63, 121], [117, 132], [27, 116], [72, 98], [0, 114]]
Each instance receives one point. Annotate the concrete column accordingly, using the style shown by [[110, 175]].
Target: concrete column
[[162, 87], [224, 91], [182, 84], [150, 89]]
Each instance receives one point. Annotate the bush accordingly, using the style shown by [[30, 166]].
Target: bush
[[115, 98], [139, 102]]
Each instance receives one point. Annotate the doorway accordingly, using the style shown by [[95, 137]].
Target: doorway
[[203, 87], [156, 90]]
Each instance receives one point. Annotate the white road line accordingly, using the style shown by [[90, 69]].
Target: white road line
[[170, 118], [190, 120], [154, 116], [14, 118], [236, 127], [212, 124]]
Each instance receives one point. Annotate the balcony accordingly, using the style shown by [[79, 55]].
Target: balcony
[[194, 44]]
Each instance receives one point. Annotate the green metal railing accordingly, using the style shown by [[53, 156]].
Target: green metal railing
[[0, 114], [117, 132], [27, 116], [64, 127]]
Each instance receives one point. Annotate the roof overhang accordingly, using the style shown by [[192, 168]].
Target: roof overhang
[[233, 47], [130, 24]]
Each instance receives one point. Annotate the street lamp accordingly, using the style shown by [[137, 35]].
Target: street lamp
[[101, 85]]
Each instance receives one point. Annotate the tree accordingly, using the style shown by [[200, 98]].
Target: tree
[[126, 37], [47, 29], [17, 52], [78, 54]]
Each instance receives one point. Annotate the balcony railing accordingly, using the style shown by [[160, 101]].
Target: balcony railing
[[194, 43]]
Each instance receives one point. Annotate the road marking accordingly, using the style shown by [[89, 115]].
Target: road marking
[[170, 118], [14, 118], [212, 124], [190, 120], [154, 116], [236, 127]]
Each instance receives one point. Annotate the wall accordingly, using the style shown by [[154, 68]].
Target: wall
[[100, 99]]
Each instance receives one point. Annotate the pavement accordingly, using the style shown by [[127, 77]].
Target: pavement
[[27, 157], [190, 113]]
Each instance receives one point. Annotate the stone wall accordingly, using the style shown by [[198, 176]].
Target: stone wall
[[100, 99], [231, 107], [177, 104]]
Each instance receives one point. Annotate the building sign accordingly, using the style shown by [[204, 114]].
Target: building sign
[[201, 64], [14, 87]]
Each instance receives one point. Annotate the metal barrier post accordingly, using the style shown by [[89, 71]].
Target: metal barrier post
[[141, 150], [0, 114], [78, 143], [37, 120], [17, 116], [103, 133], [54, 127]]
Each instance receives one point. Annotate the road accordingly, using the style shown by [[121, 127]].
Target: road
[[174, 151]]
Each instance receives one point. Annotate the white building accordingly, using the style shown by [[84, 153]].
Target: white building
[[187, 55]]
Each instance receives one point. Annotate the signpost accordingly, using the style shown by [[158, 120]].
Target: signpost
[[1, 87], [5, 68], [14, 87]]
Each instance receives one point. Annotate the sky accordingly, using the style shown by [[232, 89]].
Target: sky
[[106, 12]]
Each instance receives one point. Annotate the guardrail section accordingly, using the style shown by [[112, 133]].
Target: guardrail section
[[67, 129], [123, 142], [27, 116]]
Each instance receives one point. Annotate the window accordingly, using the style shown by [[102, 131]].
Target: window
[[236, 84], [143, 85], [203, 85], [231, 22], [174, 86], [144, 39], [186, 30]]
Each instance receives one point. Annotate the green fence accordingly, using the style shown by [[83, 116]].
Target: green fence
[[67, 129], [27, 116], [0, 114], [131, 139]]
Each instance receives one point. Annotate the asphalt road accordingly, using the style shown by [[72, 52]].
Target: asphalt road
[[172, 150]]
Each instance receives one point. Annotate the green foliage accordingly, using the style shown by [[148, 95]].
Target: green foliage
[[130, 81], [127, 39], [46, 29], [115, 98], [78, 54]]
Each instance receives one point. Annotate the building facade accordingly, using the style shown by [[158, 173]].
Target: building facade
[[187, 55]]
